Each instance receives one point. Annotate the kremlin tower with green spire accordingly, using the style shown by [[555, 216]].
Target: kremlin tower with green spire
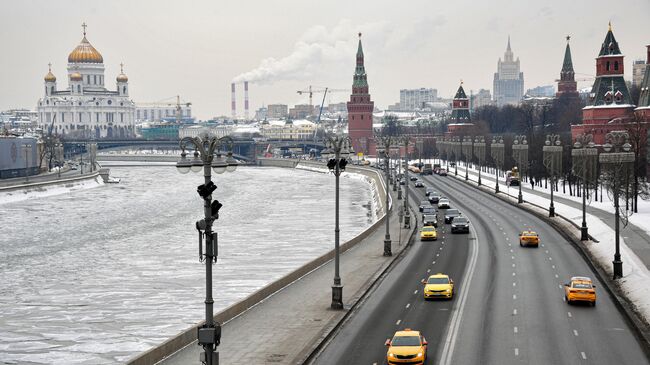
[[360, 109]]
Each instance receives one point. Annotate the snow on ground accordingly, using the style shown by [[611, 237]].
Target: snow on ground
[[635, 283]]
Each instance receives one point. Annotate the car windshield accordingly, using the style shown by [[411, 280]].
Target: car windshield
[[582, 286], [424, 202], [428, 229], [452, 212], [429, 209], [438, 281], [405, 341], [460, 220]]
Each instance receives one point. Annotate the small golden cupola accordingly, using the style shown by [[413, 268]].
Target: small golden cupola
[[122, 77], [85, 52], [76, 76], [50, 76]]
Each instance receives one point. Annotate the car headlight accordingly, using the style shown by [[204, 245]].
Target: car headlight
[[419, 354], [390, 354]]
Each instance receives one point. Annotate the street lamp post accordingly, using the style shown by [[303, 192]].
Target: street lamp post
[[407, 217], [585, 159], [399, 174], [553, 163], [479, 153], [58, 151], [616, 160], [386, 142], [338, 149], [205, 148], [419, 144], [466, 146], [27, 148], [456, 146], [497, 150], [520, 154]]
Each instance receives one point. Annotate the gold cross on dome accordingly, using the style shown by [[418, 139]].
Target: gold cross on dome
[[359, 34], [49, 66], [84, 27], [122, 67], [568, 37]]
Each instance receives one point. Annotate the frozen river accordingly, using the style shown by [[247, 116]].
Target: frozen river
[[96, 276]]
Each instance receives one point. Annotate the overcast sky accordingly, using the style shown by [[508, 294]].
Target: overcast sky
[[196, 48]]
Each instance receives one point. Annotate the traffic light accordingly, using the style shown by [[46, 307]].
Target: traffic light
[[342, 164], [214, 207], [206, 190], [331, 164]]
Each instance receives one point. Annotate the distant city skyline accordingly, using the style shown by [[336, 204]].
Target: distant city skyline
[[196, 51]]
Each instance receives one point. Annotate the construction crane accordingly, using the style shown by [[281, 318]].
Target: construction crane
[[316, 89]]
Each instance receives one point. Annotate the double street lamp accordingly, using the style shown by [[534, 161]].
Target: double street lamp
[[58, 152], [407, 217], [479, 153], [205, 149], [553, 162], [337, 150], [585, 165], [455, 144], [497, 150], [520, 154], [616, 158], [386, 142]]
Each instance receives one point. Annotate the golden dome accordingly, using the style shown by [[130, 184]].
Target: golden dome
[[50, 76], [85, 53], [122, 77], [76, 76]]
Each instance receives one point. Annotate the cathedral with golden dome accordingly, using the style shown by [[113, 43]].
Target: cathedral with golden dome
[[86, 108]]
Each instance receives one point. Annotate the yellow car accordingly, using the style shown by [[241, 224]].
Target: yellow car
[[580, 288], [438, 286], [407, 347], [428, 233], [528, 238]]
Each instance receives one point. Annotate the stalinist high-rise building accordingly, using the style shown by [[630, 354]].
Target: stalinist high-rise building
[[508, 80], [86, 108]]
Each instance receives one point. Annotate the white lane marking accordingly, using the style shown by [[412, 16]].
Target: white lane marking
[[507, 239], [511, 250], [440, 248], [542, 245], [584, 356], [513, 274], [437, 254], [516, 351], [433, 263], [556, 276], [546, 251], [398, 322], [459, 306], [553, 266], [514, 284], [513, 265], [415, 292], [428, 270], [509, 245], [575, 333], [512, 257], [408, 305], [569, 313], [550, 258], [514, 312], [514, 296], [516, 329], [560, 285]]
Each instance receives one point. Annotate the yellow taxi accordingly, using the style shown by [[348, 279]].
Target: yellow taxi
[[428, 233], [580, 289], [438, 286], [528, 238], [407, 347]]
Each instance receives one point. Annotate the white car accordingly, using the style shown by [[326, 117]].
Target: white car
[[443, 204]]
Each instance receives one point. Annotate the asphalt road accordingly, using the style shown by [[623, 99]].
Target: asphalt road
[[514, 311]]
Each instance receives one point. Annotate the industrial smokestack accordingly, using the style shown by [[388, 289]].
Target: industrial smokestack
[[233, 103], [246, 99]]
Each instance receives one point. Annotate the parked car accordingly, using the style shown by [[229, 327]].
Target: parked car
[[450, 214], [460, 224], [430, 220]]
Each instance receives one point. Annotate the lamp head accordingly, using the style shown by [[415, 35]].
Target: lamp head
[[183, 165], [231, 162], [197, 164], [219, 165]]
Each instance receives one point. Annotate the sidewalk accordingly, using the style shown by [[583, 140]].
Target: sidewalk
[[286, 327]]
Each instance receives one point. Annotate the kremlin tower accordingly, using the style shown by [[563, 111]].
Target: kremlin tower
[[610, 105], [360, 109], [460, 115], [643, 108], [567, 85]]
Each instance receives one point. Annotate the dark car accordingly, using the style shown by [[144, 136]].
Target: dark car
[[460, 224], [428, 211], [450, 214], [424, 204], [429, 191], [442, 172], [402, 182], [434, 198], [419, 184], [413, 178], [430, 220]]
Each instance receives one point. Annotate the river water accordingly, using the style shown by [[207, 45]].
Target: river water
[[96, 276]]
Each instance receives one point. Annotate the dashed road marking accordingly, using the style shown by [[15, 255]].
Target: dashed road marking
[[513, 265], [516, 330], [415, 292], [569, 313], [560, 285], [514, 296], [514, 312], [556, 276], [516, 351], [514, 274], [514, 284], [408, 305], [575, 333], [428, 270], [584, 356], [550, 258], [398, 322], [433, 263], [553, 266]]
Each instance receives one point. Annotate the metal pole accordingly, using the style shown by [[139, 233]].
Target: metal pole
[[618, 264], [209, 247], [387, 241], [25, 147], [551, 208], [337, 289], [584, 234]]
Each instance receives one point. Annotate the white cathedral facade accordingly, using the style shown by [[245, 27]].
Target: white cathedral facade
[[86, 108]]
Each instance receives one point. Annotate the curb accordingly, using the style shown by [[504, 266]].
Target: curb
[[332, 328], [641, 329]]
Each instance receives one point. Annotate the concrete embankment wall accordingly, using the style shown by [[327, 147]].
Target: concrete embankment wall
[[189, 336], [20, 192]]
